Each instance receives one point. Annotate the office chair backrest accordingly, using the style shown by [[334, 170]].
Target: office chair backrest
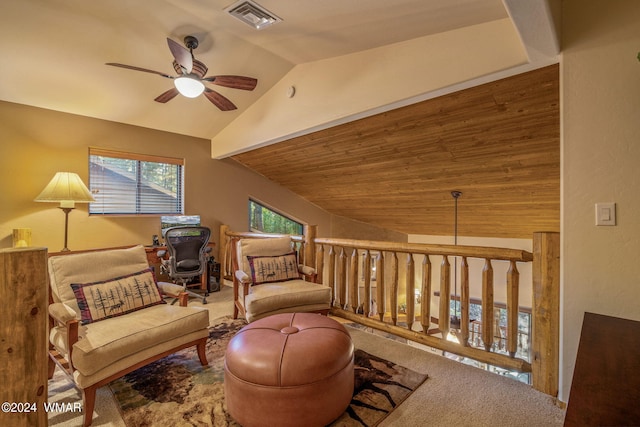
[[187, 249]]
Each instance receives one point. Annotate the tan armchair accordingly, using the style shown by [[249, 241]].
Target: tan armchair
[[108, 318], [269, 280]]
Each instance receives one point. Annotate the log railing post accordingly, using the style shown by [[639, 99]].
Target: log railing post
[[223, 250], [310, 234], [546, 312]]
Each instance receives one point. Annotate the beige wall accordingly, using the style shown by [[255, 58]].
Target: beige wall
[[35, 143], [600, 160]]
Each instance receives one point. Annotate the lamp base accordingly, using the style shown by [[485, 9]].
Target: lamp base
[[66, 226]]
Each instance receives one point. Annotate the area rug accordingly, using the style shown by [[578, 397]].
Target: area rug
[[178, 391]]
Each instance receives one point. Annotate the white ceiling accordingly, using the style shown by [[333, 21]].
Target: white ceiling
[[54, 51]]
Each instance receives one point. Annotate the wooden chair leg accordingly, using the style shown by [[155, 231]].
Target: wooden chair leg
[[202, 352], [88, 403], [51, 367]]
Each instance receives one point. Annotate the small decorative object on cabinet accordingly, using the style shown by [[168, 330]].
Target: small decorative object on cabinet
[[23, 336]]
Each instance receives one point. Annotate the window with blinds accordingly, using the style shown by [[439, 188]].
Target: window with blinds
[[135, 184]]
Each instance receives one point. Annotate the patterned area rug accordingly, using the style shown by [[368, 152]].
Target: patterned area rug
[[178, 391]]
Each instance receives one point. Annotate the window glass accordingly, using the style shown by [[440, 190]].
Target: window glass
[[128, 183], [265, 220]]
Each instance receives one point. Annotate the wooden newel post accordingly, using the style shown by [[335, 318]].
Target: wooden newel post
[[546, 312], [310, 234], [222, 252]]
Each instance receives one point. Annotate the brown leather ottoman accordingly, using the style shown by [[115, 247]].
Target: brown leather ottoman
[[293, 369]]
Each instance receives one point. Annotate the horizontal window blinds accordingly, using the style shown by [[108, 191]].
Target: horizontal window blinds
[[127, 183]]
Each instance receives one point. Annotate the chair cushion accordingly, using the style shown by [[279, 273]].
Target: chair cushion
[[117, 296], [282, 295], [261, 247], [104, 343], [265, 269], [91, 267]]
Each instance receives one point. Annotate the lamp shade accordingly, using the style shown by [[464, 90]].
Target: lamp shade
[[188, 86], [66, 188]]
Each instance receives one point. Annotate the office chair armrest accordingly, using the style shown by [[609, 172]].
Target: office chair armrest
[[61, 312]]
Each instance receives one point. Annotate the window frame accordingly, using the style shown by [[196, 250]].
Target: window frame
[[276, 212], [140, 159]]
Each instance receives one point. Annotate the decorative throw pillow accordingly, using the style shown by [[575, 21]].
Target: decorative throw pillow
[[118, 296], [268, 269]]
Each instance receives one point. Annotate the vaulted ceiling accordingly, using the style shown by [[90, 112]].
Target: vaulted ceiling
[[347, 61], [497, 143]]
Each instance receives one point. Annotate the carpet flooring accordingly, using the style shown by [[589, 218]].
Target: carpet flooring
[[177, 390], [454, 394]]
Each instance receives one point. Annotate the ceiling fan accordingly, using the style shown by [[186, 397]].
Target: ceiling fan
[[191, 79]]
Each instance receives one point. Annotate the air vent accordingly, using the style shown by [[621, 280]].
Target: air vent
[[252, 14]]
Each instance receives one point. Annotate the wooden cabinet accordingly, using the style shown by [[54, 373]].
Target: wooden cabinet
[[23, 336]]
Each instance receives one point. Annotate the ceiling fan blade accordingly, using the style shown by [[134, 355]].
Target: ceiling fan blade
[[167, 96], [218, 100], [235, 82], [132, 67], [181, 55]]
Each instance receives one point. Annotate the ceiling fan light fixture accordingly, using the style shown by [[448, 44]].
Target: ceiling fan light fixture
[[188, 86]]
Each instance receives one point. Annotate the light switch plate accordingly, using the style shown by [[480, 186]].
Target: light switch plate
[[605, 214]]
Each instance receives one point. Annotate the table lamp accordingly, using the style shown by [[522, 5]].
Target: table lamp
[[68, 189]]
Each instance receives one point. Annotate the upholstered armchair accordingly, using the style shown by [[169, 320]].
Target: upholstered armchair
[[269, 280], [108, 318]]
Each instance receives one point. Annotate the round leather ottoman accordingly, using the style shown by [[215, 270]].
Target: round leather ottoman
[[293, 369]]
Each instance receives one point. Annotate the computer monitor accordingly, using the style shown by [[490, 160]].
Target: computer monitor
[[168, 221]]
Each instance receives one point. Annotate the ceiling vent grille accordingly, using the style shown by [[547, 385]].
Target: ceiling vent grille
[[252, 14]]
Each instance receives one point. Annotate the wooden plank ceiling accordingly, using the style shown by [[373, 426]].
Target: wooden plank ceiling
[[498, 143]]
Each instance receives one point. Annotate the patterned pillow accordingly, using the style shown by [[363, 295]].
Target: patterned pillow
[[118, 296], [268, 269]]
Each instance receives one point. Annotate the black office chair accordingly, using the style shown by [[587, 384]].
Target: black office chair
[[188, 255]]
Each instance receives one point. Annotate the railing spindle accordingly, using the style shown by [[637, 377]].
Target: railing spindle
[[331, 275], [394, 288], [342, 279], [425, 297], [513, 281], [320, 264], [464, 302], [410, 291], [381, 300], [366, 303], [445, 294], [487, 305], [353, 282]]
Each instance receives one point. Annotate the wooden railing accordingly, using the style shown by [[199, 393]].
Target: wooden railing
[[400, 298]]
